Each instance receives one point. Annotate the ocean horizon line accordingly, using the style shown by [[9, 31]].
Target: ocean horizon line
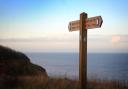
[[87, 53]]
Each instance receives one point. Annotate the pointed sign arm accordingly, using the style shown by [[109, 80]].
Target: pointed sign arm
[[90, 23]]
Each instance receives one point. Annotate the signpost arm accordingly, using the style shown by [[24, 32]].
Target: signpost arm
[[83, 52]]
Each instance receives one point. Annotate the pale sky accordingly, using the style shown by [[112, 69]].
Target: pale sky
[[42, 25]]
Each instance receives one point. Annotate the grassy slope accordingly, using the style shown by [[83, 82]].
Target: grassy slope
[[40, 82]]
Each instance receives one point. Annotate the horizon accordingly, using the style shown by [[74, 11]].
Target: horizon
[[25, 25]]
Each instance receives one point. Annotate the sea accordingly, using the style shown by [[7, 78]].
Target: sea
[[111, 66]]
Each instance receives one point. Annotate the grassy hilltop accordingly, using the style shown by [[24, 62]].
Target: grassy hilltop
[[17, 72]]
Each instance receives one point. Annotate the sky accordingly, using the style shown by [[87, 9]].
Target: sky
[[42, 25]]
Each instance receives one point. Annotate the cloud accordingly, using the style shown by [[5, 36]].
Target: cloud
[[67, 42], [120, 39], [57, 42], [108, 43], [116, 39]]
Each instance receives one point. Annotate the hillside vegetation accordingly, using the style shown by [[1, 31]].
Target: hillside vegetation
[[41, 82]]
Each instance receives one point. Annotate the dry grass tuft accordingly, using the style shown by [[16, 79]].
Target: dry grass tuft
[[40, 82]]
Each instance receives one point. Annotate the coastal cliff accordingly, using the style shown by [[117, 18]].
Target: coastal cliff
[[14, 64]]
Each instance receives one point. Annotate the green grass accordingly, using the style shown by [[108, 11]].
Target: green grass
[[41, 82]]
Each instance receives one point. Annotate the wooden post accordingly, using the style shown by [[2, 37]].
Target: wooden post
[[83, 24], [83, 52]]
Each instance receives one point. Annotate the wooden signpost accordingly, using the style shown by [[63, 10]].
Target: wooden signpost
[[90, 23], [83, 24]]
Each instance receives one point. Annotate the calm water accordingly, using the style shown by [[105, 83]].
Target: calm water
[[100, 65]]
